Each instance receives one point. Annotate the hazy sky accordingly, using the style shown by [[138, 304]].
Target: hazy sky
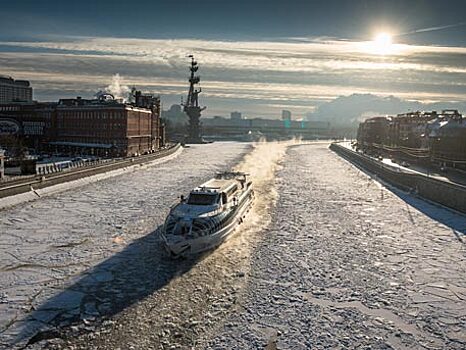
[[256, 56]]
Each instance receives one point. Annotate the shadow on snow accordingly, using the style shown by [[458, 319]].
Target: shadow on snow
[[449, 217], [125, 278], [453, 219]]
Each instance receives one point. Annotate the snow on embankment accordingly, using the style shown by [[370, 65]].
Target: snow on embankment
[[449, 194], [35, 194]]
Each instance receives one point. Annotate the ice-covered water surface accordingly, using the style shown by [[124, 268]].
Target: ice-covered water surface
[[340, 263], [348, 264], [197, 294], [64, 256]]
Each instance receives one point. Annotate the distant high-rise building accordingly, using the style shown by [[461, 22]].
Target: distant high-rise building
[[14, 90], [236, 116], [286, 115]]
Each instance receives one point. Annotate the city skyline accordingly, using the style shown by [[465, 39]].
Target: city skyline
[[260, 59]]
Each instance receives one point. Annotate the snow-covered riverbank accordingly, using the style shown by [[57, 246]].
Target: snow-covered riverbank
[[34, 194]]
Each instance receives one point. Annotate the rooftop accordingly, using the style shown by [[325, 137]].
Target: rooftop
[[216, 185], [10, 80]]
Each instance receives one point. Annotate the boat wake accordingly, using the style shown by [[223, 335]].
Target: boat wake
[[230, 264], [261, 165]]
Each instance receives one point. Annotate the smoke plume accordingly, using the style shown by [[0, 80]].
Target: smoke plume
[[117, 89]]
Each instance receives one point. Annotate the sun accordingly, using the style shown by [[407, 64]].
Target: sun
[[382, 44]]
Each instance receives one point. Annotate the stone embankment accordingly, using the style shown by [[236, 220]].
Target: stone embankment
[[50, 178], [449, 194]]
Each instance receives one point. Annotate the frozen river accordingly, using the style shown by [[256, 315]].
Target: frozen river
[[62, 257], [348, 264], [327, 259]]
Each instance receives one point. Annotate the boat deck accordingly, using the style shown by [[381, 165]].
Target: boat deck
[[219, 184]]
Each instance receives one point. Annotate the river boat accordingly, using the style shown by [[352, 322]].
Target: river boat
[[209, 215]]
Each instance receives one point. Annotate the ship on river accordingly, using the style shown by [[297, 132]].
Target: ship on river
[[209, 215]]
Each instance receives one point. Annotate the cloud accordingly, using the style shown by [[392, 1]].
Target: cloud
[[433, 29], [350, 110], [300, 72]]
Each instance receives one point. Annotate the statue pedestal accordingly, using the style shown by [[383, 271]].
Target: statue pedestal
[[194, 133]]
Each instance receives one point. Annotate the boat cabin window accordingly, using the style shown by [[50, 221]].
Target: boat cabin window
[[182, 228], [202, 199]]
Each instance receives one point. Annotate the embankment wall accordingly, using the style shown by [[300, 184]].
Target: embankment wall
[[448, 194], [40, 182]]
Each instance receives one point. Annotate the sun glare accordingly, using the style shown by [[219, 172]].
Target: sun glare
[[382, 44]]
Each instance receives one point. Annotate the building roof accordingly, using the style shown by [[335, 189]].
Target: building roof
[[10, 80], [78, 103]]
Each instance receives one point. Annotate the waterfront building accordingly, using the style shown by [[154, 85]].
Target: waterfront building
[[109, 127], [429, 138], [236, 116], [275, 128], [102, 127], [286, 115], [407, 129], [27, 126], [14, 90]]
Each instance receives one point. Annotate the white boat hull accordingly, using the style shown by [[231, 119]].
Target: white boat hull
[[177, 246]]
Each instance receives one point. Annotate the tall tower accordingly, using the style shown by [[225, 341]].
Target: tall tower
[[191, 106]]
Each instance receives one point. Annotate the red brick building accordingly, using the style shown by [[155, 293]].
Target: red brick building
[[27, 125], [103, 127], [106, 127]]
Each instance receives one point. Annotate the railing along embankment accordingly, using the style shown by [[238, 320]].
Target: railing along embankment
[[449, 194], [12, 188]]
